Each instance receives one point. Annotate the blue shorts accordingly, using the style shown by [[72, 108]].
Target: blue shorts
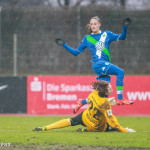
[[100, 68]]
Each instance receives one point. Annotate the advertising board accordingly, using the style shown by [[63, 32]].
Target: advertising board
[[59, 94]]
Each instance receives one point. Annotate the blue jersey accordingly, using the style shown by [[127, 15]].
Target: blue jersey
[[103, 42]]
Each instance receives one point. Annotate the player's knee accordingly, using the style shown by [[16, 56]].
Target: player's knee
[[74, 121], [77, 120]]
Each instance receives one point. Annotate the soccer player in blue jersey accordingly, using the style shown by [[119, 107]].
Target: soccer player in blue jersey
[[98, 43]]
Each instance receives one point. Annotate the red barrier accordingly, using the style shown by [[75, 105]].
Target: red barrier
[[58, 94]]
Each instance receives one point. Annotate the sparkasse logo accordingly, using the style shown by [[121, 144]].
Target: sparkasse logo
[[36, 85]]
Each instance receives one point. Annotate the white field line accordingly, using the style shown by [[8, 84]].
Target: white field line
[[12, 130], [142, 131], [32, 130], [7, 130]]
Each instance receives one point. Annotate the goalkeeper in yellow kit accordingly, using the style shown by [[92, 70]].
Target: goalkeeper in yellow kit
[[97, 117]]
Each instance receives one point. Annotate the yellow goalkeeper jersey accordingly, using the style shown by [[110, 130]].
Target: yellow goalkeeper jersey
[[99, 112]]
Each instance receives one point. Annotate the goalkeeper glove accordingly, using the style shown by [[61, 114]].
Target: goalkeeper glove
[[59, 42], [112, 101], [79, 105], [130, 130], [126, 21]]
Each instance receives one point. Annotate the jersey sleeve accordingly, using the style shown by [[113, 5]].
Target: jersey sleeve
[[77, 51], [111, 119], [117, 37], [82, 45], [71, 50], [85, 101], [113, 36]]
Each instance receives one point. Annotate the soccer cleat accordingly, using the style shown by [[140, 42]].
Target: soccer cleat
[[79, 105], [82, 130], [124, 102], [39, 129]]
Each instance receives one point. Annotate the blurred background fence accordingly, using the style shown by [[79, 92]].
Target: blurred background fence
[[28, 30]]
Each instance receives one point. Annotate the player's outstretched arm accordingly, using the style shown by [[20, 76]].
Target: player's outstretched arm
[[61, 42], [113, 122], [126, 22]]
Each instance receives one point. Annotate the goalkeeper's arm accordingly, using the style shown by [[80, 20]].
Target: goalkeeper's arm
[[61, 42], [80, 103]]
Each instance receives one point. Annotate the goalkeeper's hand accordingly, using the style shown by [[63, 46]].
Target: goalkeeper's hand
[[59, 42], [130, 130], [79, 105], [126, 21], [112, 101]]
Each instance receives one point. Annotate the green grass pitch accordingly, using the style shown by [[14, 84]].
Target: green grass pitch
[[17, 130]]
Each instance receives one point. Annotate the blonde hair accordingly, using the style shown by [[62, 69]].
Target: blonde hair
[[88, 25]]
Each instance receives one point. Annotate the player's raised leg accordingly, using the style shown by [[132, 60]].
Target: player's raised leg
[[114, 70]]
